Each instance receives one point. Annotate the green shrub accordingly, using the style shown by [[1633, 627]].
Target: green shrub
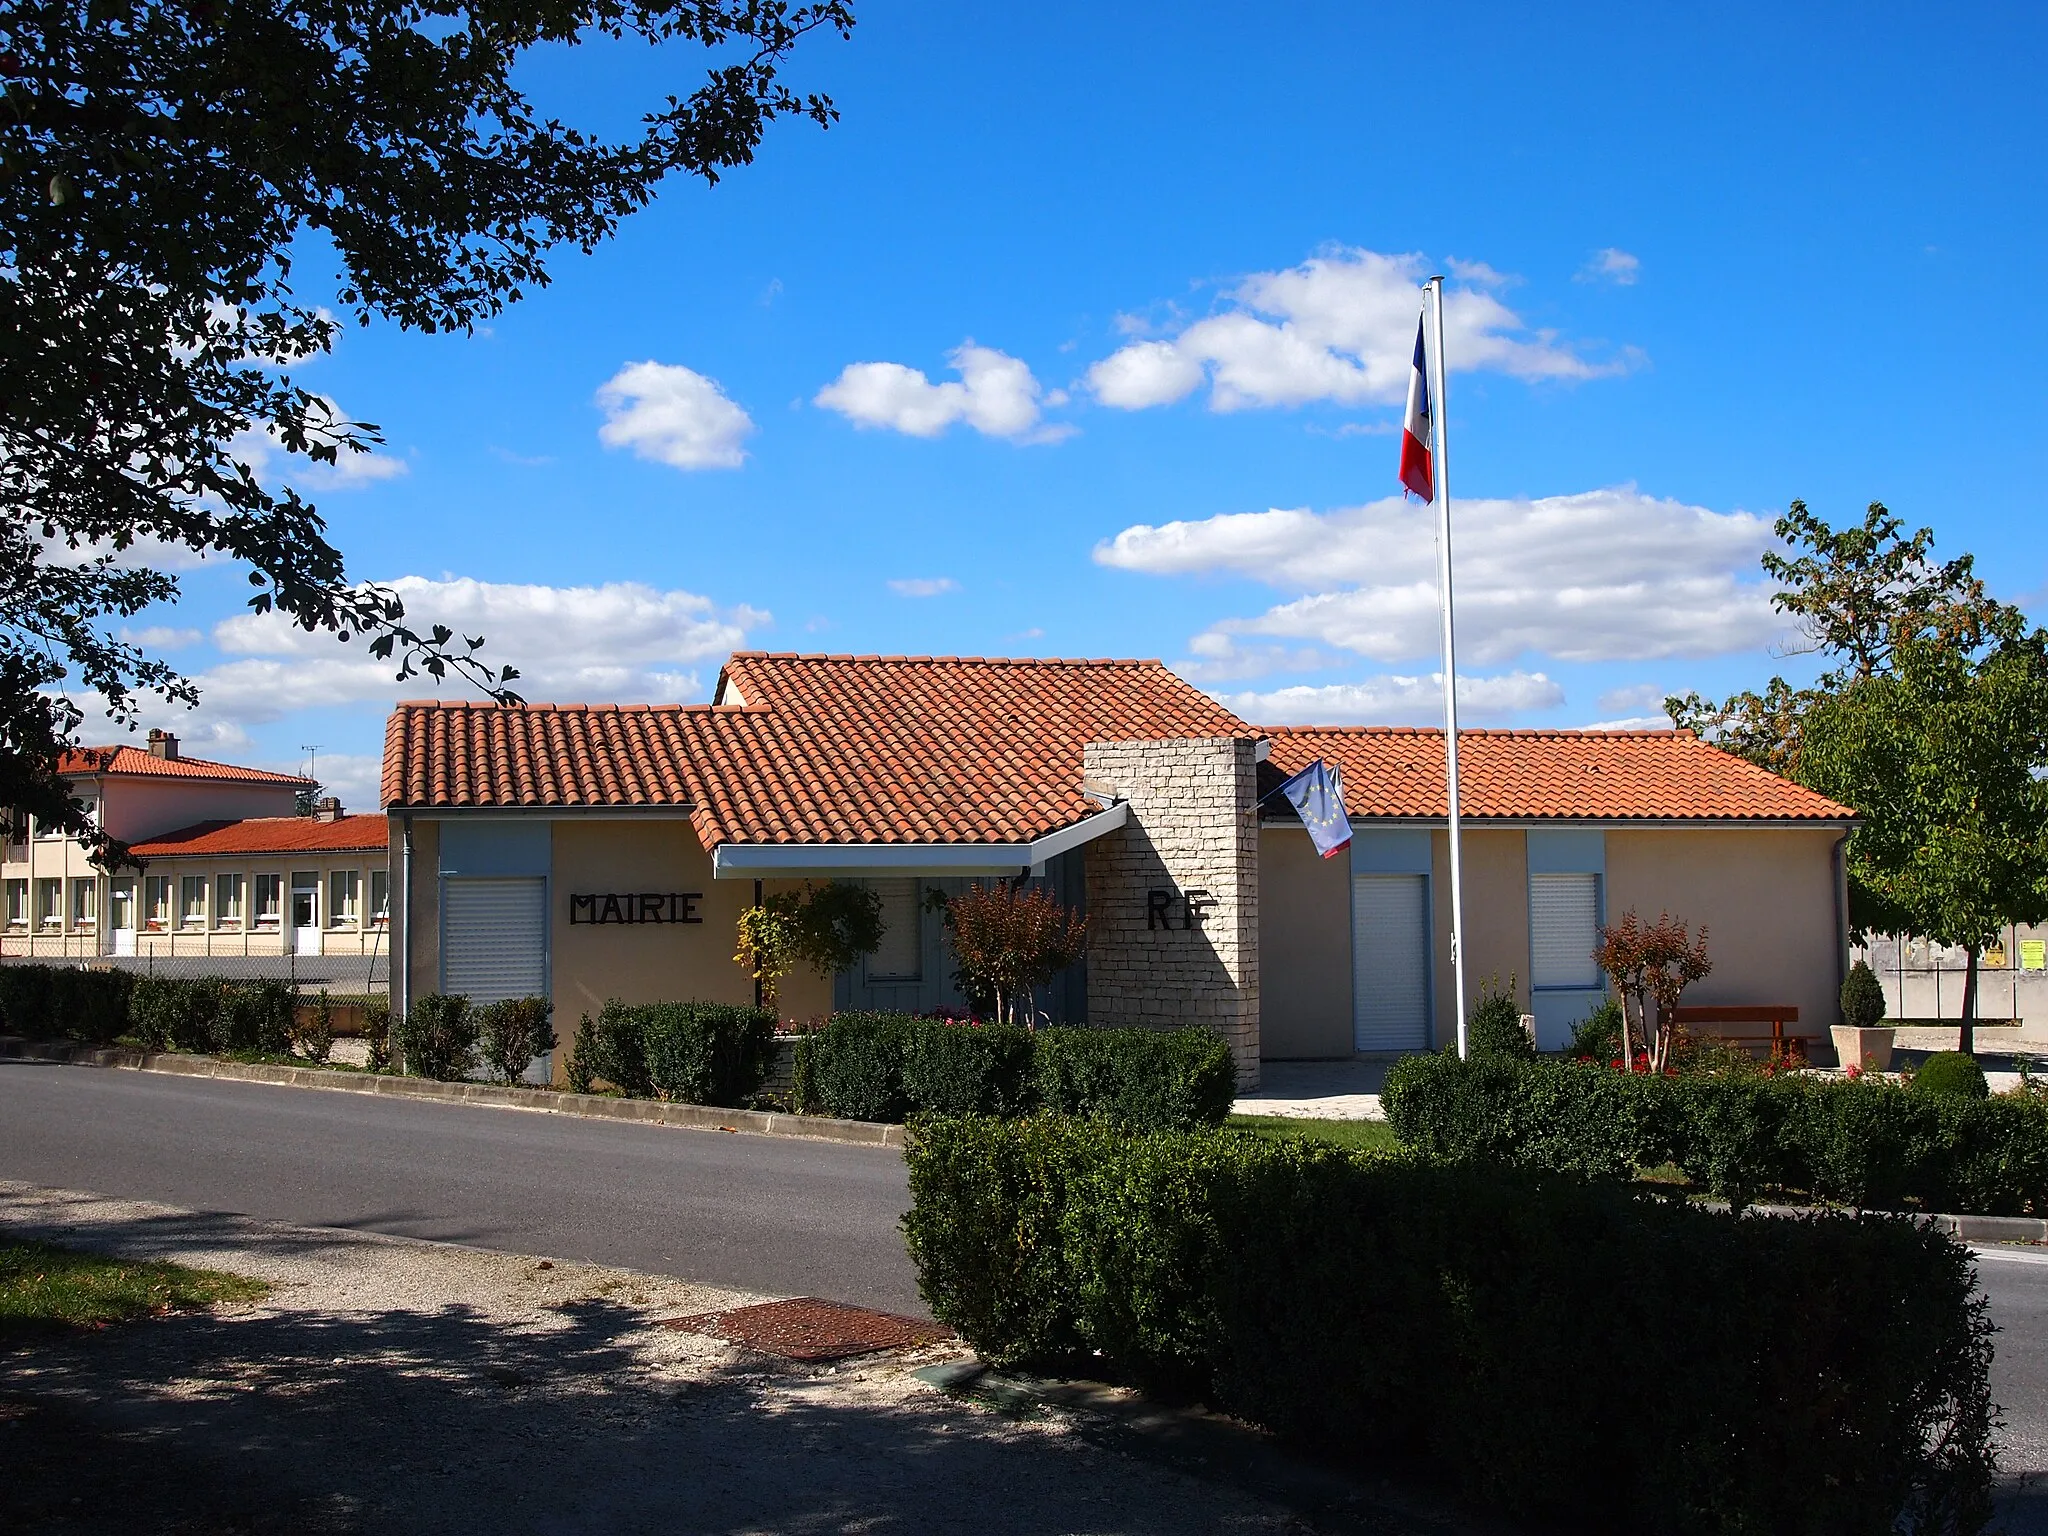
[[377, 1035], [313, 1035], [1952, 1072], [707, 1053], [1862, 999], [212, 1015], [577, 1067], [44, 1002], [615, 1055], [1495, 1028], [253, 1017], [1741, 1136], [1147, 1079], [967, 1069], [1400, 1314], [853, 1067], [511, 1032], [1565, 1116], [1597, 1036], [437, 1037]]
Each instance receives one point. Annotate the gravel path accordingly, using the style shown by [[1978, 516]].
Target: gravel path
[[397, 1385]]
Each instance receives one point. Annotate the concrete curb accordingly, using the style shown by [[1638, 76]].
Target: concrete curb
[[700, 1117]]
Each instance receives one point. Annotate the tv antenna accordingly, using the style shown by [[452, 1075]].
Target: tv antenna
[[312, 751]]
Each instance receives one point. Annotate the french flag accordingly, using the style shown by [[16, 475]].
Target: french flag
[[1417, 473]]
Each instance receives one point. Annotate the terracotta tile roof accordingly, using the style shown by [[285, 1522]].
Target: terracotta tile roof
[[803, 749], [270, 834], [133, 762], [1529, 775]]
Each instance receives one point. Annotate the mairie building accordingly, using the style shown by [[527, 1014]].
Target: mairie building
[[592, 851]]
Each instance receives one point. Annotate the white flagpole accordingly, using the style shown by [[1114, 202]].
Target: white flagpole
[[1439, 419]]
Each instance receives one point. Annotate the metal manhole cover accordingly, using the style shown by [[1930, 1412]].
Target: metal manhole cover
[[807, 1328]]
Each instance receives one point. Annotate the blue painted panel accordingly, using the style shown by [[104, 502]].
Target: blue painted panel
[[1390, 851], [1558, 1012], [523, 847], [1567, 851]]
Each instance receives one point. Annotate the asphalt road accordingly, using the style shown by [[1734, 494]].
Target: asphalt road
[[764, 1213], [782, 1215]]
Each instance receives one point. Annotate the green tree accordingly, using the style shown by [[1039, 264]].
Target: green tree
[[1943, 754], [166, 166], [1857, 593], [827, 928]]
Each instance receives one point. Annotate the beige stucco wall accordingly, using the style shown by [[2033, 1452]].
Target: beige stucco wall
[[655, 962], [1496, 892], [1304, 948], [135, 808], [1766, 897]]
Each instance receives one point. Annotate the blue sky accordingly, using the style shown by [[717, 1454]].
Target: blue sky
[[1155, 268]]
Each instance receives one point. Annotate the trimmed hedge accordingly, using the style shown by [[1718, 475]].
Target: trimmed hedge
[[1545, 1345], [1870, 1144], [45, 1001], [694, 1053], [1148, 1079], [211, 1014], [890, 1066]]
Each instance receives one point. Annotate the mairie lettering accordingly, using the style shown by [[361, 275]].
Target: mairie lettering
[[606, 907]]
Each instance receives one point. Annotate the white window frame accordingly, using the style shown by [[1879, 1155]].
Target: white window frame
[[50, 903], [267, 902], [344, 898], [229, 891], [17, 903], [156, 902], [188, 915], [85, 901], [380, 897]]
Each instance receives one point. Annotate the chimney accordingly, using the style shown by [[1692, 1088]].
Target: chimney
[[327, 809], [162, 744]]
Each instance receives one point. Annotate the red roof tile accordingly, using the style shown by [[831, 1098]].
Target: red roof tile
[[823, 749], [133, 762], [270, 834], [1535, 775]]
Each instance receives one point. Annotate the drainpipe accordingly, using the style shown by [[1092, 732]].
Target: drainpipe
[[759, 990], [1839, 864], [404, 977]]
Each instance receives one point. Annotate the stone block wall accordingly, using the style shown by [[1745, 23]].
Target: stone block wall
[[1173, 895]]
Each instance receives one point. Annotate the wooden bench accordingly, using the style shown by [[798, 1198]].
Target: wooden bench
[[1783, 1042]]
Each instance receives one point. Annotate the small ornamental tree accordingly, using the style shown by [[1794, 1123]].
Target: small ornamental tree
[[1862, 997], [1651, 963], [1013, 940], [827, 928]]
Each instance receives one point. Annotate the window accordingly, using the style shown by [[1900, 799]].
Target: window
[[344, 898], [227, 901], [45, 831], [91, 808], [269, 900], [156, 901], [898, 957], [85, 902], [1564, 930], [380, 895], [17, 903], [50, 903], [192, 900]]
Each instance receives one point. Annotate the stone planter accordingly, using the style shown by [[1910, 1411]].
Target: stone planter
[[1870, 1049]]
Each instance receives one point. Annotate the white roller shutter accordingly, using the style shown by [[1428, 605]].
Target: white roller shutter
[[1390, 963], [494, 937], [1564, 930]]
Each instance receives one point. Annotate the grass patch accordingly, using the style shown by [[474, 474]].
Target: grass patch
[[1360, 1135], [44, 1286]]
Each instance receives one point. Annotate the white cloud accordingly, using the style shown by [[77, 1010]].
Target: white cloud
[[353, 778], [1633, 700], [672, 415], [1630, 723], [1599, 576], [1392, 699], [623, 642], [161, 637], [1609, 265], [923, 586], [1340, 327], [996, 395]]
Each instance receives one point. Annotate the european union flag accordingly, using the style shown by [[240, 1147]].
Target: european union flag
[[1317, 795]]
